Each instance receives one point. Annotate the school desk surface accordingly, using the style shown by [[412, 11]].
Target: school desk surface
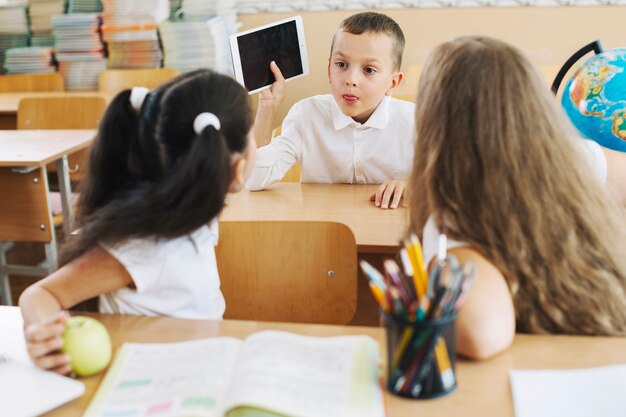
[[375, 230], [483, 387]]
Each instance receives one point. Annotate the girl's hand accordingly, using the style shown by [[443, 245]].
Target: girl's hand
[[44, 340]]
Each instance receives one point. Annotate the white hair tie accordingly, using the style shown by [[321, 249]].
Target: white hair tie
[[205, 119], [137, 96]]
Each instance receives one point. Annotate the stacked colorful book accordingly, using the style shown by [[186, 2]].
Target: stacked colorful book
[[40, 13], [198, 10], [13, 28], [79, 49], [84, 6], [191, 45], [28, 60], [130, 30]]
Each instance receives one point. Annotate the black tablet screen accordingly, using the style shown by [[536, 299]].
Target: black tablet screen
[[256, 51]]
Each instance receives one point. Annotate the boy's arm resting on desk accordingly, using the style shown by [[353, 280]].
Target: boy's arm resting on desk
[[272, 163], [270, 101], [389, 194], [43, 303], [486, 322]]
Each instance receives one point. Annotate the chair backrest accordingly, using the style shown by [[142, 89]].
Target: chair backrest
[[293, 174], [122, 79], [72, 112], [301, 272], [24, 212], [31, 83]]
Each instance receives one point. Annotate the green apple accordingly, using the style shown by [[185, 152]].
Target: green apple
[[87, 343]]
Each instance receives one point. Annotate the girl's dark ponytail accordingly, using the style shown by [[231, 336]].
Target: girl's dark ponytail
[[151, 174], [115, 133]]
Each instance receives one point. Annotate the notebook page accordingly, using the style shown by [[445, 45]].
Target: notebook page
[[21, 381], [308, 376], [598, 392], [167, 379]]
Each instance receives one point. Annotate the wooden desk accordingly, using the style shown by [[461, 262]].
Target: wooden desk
[[375, 230], [9, 103], [26, 150], [483, 387]]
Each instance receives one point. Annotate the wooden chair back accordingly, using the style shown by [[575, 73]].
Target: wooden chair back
[[293, 174], [122, 79], [74, 112], [31, 83], [24, 211], [302, 272]]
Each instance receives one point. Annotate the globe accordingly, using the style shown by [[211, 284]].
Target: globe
[[594, 98]]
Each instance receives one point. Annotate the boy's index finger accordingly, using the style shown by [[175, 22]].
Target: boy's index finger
[[276, 71]]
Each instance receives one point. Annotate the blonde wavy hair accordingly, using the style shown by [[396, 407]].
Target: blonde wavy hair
[[497, 166]]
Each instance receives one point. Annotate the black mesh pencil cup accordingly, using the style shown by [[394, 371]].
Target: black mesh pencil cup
[[421, 356]]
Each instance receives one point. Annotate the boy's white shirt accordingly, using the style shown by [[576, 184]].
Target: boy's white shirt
[[332, 148], [176, 277]]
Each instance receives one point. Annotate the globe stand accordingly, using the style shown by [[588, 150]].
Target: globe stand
[[593, 46]]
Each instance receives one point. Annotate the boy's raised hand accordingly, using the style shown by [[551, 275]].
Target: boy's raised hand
[[269, 104], [389, 194], [43, 342], [273, 96]]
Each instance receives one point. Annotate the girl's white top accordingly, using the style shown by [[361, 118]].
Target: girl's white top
[[176, 277]]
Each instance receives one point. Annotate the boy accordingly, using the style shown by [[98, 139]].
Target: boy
[[357, 134]]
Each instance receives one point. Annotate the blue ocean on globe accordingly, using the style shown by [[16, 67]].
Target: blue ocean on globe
[[595, 99]]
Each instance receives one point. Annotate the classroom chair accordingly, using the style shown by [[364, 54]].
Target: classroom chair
[[71, 112], [293, 174], [31, 83], [288, 271], [25, 217], [121, 79]]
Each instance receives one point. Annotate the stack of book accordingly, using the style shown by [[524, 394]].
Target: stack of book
[[41, 12], [192, 45], [79, 50], [130, 30], [13, 28], [84, 6], [197, 10], [29, 60], [175, 9]]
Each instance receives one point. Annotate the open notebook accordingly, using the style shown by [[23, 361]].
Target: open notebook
[[598, 392], [29, 391], [24, 389], [269, 373]]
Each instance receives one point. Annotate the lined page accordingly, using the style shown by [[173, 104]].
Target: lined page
[[167, 379], [308, 376]]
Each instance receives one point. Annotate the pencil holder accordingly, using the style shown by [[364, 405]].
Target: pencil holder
[[421, 356]]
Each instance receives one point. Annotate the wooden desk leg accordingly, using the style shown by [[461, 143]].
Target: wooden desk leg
[[65, 187], [8, 121], [5, 288]]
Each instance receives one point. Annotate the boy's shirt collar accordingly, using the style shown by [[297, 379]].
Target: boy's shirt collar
[[377, 120]]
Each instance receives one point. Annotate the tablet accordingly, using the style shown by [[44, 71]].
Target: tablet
[[254, 49]]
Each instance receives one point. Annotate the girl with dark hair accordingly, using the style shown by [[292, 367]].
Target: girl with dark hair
[[159, 171]]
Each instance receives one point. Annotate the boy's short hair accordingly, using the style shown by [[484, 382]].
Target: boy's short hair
[[378, 23]]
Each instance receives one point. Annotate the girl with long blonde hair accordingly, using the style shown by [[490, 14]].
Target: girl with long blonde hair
[[499, 169]]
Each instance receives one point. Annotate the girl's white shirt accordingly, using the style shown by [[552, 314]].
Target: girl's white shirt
[[176, 277], [592, 153]]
